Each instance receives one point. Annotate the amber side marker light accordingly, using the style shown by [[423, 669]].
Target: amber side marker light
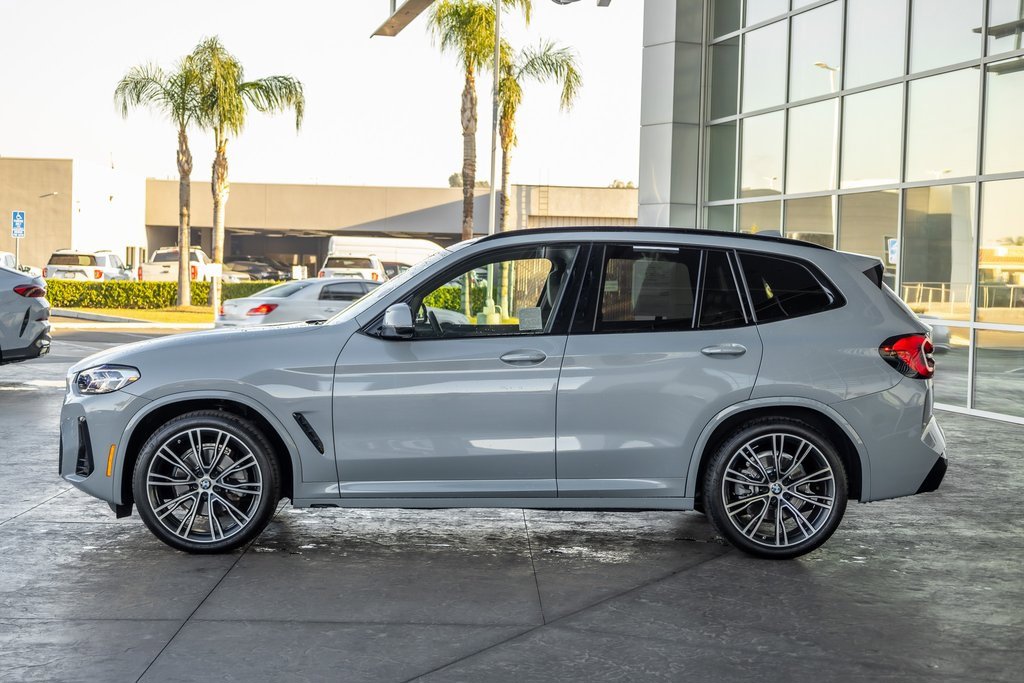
[[110, 459]]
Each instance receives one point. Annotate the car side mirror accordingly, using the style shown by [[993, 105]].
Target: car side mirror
[[397, 322]]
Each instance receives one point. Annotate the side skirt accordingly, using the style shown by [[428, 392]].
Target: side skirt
[[527, 503]]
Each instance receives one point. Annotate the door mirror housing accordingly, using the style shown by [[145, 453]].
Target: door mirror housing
[[397, 322]]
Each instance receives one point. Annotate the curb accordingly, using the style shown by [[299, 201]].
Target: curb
[[95, 317], [133, 325]]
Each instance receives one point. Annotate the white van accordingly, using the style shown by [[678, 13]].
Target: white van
[[395, 253]]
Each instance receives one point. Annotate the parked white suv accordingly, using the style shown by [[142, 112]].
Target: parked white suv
[[95, 266], [365, 267]]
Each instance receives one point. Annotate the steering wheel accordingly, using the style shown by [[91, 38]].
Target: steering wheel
[[435, 325]]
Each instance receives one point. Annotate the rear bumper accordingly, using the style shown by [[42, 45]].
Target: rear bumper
[[40, 346], [906, 450]]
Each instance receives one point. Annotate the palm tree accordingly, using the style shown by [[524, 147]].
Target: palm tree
[[225, 100], [466, 28], [176, 96], [543, 64]]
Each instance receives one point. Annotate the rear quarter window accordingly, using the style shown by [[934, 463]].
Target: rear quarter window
[[782, 288]]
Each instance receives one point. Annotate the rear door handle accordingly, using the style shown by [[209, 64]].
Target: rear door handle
[[523, 357], [724, 350]]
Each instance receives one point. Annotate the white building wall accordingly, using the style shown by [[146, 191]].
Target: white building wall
[[108, 208]]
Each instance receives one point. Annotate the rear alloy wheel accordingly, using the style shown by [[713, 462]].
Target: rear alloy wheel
[[776, 488], [206, 482]]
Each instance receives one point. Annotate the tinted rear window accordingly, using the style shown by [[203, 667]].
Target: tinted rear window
[[348, 262], [172, 256], [720, 303], [72, 260], [648, 289], [281, 291], [781, 288]]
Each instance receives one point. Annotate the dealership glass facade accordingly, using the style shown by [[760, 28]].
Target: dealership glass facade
[[891, 128]]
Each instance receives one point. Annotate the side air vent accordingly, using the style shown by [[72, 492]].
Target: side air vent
[[83, 463], [60, 456], [308, 430]]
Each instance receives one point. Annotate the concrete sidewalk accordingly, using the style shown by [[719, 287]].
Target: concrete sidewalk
[[64, 319]]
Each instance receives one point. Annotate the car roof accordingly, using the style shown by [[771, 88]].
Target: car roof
[[574, 230]]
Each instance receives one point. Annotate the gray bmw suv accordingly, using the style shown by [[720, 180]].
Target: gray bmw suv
[[760, 380]]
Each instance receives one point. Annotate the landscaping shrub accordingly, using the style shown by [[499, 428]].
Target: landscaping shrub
[[137, 295], [450, 298]]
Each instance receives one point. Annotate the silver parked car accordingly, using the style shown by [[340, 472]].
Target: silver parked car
[[24, 316], [94, 266], [761, 380], [300, 300]]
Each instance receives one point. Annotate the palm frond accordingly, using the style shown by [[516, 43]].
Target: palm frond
[[275, 94]]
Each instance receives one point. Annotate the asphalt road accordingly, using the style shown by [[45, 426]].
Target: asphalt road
[[929, 588]]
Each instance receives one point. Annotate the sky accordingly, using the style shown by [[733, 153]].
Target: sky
[[380, 111]]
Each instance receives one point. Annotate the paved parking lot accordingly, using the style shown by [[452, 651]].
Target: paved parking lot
[[922, 589]]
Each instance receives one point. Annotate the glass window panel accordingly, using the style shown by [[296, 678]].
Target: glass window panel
[[726, 17], [942, 126], [759, 10], [648, 291], [812, 147], [950, 381], [1005, 25], [996, 387], [938, 250], [761, 156], [725, 69], [797, 4], [815, 52], [869, 224], [810, 220], [1004, 132], [764, 67], [872, 123], [760, 216], [720, 218], [943, 32], [876, 35], [1001, 253], [722, 161]]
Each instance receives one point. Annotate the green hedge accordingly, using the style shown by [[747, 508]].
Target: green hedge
[[450, 297], [137, 295]]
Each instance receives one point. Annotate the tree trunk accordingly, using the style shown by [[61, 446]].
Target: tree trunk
[[468, 153], [221, 189], [184, 223], [506, 160]]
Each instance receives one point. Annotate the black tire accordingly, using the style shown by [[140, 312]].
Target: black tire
[[170, 485], [746, 503]]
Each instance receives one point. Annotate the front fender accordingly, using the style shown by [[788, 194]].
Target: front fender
[[778, 402]]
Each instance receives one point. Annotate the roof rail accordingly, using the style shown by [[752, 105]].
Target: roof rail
[[771, 236]]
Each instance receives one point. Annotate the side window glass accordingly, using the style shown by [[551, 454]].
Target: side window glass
[[647, 289], [342, 291], [514, 292], [720, 299], [780, 288]]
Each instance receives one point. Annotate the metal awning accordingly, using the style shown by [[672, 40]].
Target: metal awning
[[402, 17]]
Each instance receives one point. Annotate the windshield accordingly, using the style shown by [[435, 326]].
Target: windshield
[[72, 260], [348, 262], [171, 255], [376, 294], [281, 291]]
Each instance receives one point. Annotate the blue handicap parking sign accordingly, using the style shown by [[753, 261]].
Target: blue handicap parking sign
[[17, 224]]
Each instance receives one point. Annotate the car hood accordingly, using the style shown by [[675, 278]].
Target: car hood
[[224, 357]]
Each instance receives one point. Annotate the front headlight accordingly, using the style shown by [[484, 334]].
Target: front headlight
[[104, 379]]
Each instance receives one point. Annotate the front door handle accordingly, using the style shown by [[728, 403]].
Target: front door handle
[[724, 350], [523, 357]]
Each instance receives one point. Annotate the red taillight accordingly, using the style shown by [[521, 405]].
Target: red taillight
[[374, 276], [910, 354], [44, 272], [193, 272], [221, 311], [262, 309], [140, 273], [31, 291], [98, 274], [321, 274]]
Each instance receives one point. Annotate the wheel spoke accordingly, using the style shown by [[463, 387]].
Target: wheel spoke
[[218, 450], [743, 503], [777, 450], [172, 505], [240, 517], [754, 525], [245, 463], [798, 458], [754, 460], [168, 455], [189, 519], [197, 447], [819, 476], [253, 488], [214, 522], [806, 499], [779, 524], [800, 520], [165, 480], [737, 477]]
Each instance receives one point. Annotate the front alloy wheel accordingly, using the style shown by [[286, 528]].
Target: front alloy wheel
[[776, 489], [205, 482]]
